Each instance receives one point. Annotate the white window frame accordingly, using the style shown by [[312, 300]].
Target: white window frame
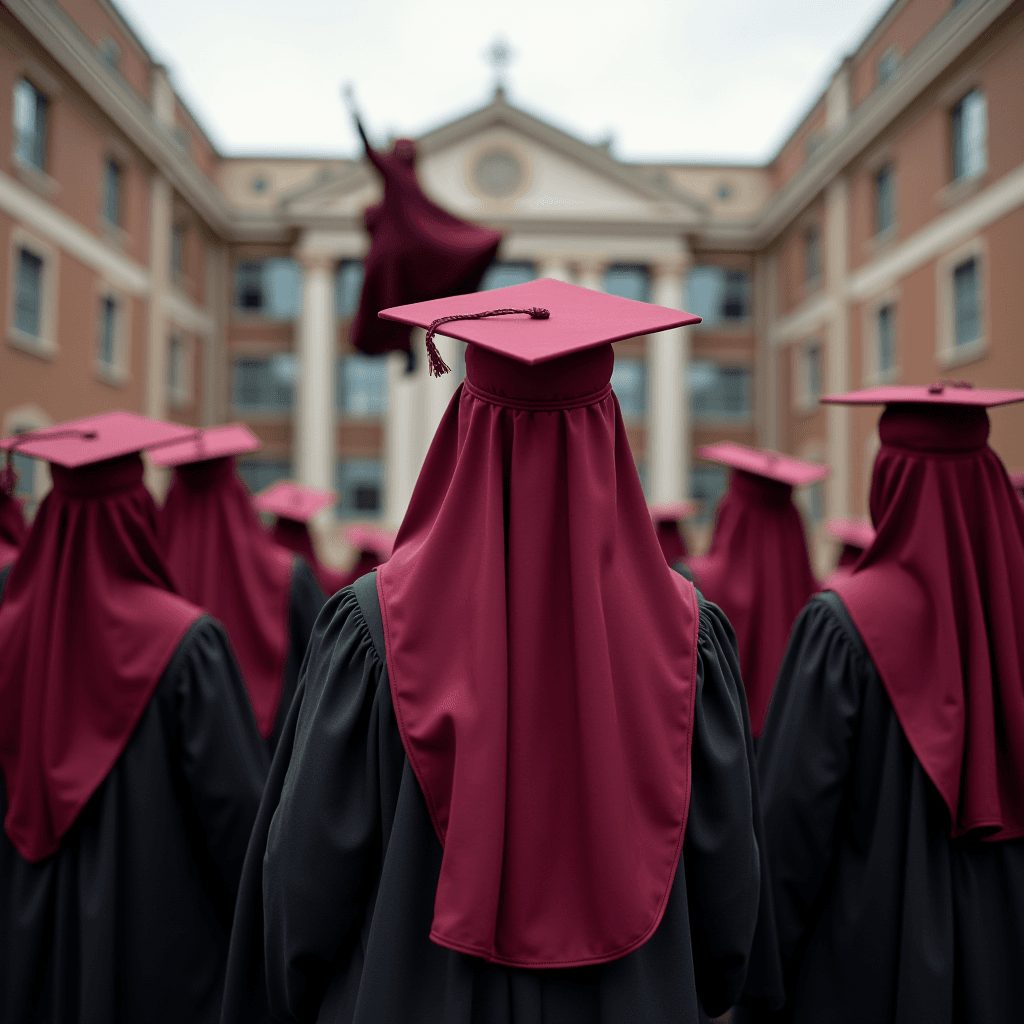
[[947, 352], [48, 85], [803, 399], [116, 373], [44, 346], [871, 373], [180, 397], [978, 173]]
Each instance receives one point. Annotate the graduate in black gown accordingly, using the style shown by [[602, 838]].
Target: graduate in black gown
[[892, 762], [131, 765], [517, 785], [221, 558]]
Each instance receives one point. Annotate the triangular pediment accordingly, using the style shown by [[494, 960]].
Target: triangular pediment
[[501, 165]]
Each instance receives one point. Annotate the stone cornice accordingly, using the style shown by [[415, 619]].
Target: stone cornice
[[958, 31], [57, 34]]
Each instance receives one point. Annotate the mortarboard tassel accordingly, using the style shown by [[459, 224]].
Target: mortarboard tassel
[[438, 367]]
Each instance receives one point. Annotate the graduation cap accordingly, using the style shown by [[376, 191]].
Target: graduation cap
[[783, 468], [671, 511], [536, 322], [855, 533], [209, 443], [91, 439], [373, 539], [289, 500], [950, 393]]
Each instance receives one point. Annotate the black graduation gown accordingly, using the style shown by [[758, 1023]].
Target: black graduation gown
[[304, 604], [337, 892], [881, 916], [129, 920]]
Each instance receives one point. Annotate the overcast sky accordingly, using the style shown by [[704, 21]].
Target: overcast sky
[[668, 79]]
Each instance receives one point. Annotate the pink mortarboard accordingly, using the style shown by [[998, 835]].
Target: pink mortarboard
[[784, 468], [857, 533], [940, 393], [107, 435], [549, 319], [371, 538], [289, 500], [1017, 479], [671, 511], [208, 443]]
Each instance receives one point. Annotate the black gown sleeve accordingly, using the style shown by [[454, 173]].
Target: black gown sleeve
[[220, 754], [814, 711], [327, 817], [720, 851]]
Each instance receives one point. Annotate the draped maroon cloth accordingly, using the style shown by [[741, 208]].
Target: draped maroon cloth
[[758, 572], [939, 604], [542, 659], [88, 623], [294, 536], [222, 559], [12, 528], [670, 537], [417, 251]]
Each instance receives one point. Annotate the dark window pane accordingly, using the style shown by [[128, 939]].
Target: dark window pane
[[737, 287], [969, 129], [108, 327], [720, 392], [259, 474], [30, 282], [282, 288], [812, 245], [362, 386], [884, 208], [112, 193], [360, 486], [503, 275], [249, 293], [812, 373], [263, 385], [886, 340], [30, 114], [888, 65], [965, 291], [629, 382], [707, 485], [348, 286], [628, 282], [178, 248]]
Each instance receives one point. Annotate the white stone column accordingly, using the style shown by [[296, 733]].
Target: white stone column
[[668, 423], [555, 268], [317, 350], [155, 387], [402, 440]]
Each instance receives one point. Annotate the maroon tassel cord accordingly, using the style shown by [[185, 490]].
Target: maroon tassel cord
[[438, 366]]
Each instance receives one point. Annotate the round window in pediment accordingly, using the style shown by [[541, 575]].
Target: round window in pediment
[[498, 174]]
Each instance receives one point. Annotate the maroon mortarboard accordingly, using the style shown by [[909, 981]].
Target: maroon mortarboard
[[374, 539], [939, 393], [91, 439], [784, 468], [671, 511], [857, 533], [537, 321], [289, 500], [208, 443]]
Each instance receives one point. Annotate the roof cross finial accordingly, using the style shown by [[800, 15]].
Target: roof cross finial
[[500, 55]]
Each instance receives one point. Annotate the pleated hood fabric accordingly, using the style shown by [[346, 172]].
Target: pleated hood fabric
[[937, 599], [88, 623], [221, 558], [542, 661], [759, 573], [418, 251], [12, 528]]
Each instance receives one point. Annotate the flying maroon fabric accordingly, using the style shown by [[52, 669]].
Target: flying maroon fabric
[[222, 559], [542, 659], [12, 528], [417, 252], [88, 623], [938, 602], [670, 537], [295, 537], [758, 572]]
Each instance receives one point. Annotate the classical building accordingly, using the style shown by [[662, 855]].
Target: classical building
[[883, 242]]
